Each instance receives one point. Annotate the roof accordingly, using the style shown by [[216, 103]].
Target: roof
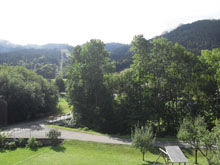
[[175, 154]]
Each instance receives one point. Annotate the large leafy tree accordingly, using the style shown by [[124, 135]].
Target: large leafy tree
[[28, 95], [161, 71], [86, 90]]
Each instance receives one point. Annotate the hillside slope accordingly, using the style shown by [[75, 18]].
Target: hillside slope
[[199, 35]]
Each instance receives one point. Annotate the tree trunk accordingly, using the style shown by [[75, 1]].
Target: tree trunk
[[209, 161], [143, 155], [196, 151]]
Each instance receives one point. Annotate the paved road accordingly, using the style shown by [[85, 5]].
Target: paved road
[[38, 129]]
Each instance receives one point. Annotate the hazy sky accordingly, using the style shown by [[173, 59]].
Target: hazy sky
[[77, 21]]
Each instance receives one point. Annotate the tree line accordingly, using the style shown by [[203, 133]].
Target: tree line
[[28, 95], [164, 83]]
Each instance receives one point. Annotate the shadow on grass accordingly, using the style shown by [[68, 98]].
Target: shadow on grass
[[151, 162], [58, 148], [2, 150], [188, 151], [154, 151], [34, 149]]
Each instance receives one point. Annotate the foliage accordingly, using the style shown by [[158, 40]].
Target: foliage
[[2, 139], [59, 82], [21, 142], [143, 138], [63, 106], [32, 143], [195, 133], [197, 36], [164, 83], [46, 60], [215, 155], [27, 94], [53, 135], [120, 54], [85, 86], [47, 71], [72, 123], [10, 145]]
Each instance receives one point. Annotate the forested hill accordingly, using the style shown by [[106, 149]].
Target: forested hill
[[46, 60], [120, 53], [197, 36]]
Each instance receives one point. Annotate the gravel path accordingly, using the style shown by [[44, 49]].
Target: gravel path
[[38, 129]]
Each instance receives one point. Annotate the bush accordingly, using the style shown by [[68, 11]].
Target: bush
[[2, 140], [85, 129], [10, 145], [32, 143], [40, 144], [21, 142], [53, 136], [71, 123]]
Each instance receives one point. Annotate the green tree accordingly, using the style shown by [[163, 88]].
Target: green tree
[[143, 138], [47, 71], [28, 95], [161, 72], [86, 89], [59, 82], [215, 156], [195, 133]]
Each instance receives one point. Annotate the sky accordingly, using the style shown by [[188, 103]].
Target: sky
[[77, 21]]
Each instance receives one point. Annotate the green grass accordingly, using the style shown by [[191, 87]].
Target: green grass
[[63, 106], [167, 138], [82, 153], [83, 130], [88, 131]]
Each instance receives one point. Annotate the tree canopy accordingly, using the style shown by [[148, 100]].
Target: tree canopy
[[28, 95], [86, 88]]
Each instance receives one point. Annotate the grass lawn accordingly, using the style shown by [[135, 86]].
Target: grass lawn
[[63, 106], [82, 153], [83, 130]]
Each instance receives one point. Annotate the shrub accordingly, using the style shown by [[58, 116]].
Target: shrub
[[10, 145], [2, 140], [85, 129], [40, 144], [53, 136], [71, 123], [32, 143], [21, 142]]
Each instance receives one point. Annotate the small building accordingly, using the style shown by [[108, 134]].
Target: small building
[[3, 111]]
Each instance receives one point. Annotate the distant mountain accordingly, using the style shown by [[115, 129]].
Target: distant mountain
[[199, 35], [6, 46], [47, 60]]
